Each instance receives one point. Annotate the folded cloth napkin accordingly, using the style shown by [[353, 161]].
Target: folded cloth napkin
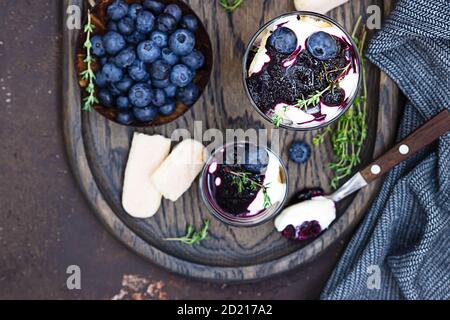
[[406, 233]]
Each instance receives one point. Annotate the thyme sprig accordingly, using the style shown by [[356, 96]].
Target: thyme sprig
[[193, 237], [350, 132], [89, 74], [241, 179], [230, 5], [277, 120]]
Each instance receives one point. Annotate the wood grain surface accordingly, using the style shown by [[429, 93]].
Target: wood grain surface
[[98, 151]]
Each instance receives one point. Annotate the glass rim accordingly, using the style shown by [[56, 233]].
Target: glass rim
[[241, 222], [264, 27]]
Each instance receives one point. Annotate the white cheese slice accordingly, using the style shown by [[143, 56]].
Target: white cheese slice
[[176, 174], [140, 198]]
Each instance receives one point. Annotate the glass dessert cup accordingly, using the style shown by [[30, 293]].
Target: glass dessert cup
[[293, 83], [244, 185]]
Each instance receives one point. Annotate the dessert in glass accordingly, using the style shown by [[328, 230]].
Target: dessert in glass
[[243, 184], [302, 71]]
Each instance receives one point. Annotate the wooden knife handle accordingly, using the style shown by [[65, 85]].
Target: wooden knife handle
[[418, 140]]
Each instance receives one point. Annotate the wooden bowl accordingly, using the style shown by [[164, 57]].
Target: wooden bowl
[[100, 20]]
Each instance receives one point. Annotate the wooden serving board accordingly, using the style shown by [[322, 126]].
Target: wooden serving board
[[98, 151]]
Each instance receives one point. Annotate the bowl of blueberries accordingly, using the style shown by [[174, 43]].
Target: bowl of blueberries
[[152, 60]]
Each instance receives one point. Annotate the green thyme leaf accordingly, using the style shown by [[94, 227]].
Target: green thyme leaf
[[193, 237]]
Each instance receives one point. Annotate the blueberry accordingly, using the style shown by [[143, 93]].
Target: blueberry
[[160, 70], [125, 84], [155, 6], [145, 22], [97, 46], [123, 103], [166, 23], [105, 98], [113, 42], [256, 159], [112, 26], [161, 84], [137, 71], [181, 75], [169, 56], [126, 26], [134, 10], [140, 95], [136, 37], [125, 118], [182, 42], [189, 94], [300, 152], [100, 79], [190, 22], [159, 97], [195, 60], [114, 90], [283, 40], [171, 91], [322, 46], [148, 51], [159, 38], [125, 58], [117, 10], [175, 11], [168, 108], [103, 60], [145, 114], [112, 72]]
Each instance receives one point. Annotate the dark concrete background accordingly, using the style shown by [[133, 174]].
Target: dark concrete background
[[45, 223]]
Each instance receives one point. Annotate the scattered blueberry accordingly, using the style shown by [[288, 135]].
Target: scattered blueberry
[[136, 37], [195, 60], [283, 40], [100, 79], [322, 46], [97, 46], [137, 71], [181, 75], [161, 84], [168, 108], [105, 98], [300, 152], [134, 10], [160, 70], [169, 56], [175, 11], [112, 26], [145, 114], [166, 23], [182, 42], [148, 51], [145, 21], [117, 10], [159, 38], [125, 84], [140, 95], [125, 118], [171, 91], [113, 42], [189, 94], [159, 98], [104, 60], [190, 22], [154, 6], [126, 26], [112, 72], [114, 90], [125, 58], [122, 103]]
